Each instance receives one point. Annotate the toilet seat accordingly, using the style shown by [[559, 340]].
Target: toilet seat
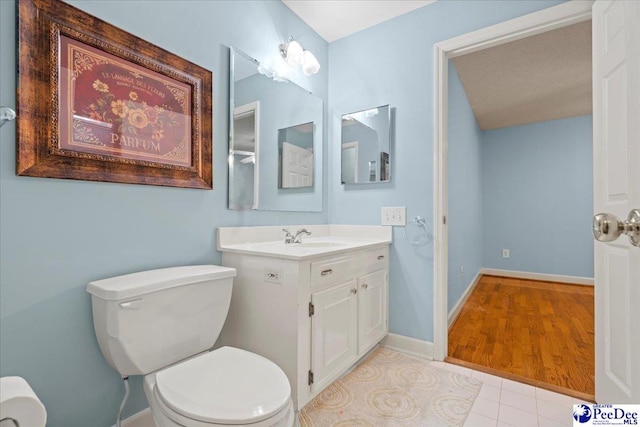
[[227, 386], [165, 417]]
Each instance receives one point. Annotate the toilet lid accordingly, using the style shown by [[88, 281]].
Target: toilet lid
[[225, 386]]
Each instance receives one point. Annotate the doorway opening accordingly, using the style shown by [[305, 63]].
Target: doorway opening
[[529, 26]]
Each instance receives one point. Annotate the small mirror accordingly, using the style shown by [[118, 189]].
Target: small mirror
[[366, 146], [295, 145], [275, 140]]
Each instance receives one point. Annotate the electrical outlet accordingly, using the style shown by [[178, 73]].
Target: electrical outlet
[[461, 270], [505, 253], [394, 216], [273, 275]]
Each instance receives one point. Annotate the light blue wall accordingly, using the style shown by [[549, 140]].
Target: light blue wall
[[57, 235], [538, 197], [392, 63], [465, 191]]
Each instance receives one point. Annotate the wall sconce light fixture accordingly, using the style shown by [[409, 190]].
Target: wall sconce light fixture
[[296, 56]]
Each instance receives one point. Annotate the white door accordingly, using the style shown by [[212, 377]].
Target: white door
[[616, 168], [333, 332], [297, 166], [372, 309]]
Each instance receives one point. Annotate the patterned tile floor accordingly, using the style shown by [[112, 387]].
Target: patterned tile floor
[[501, 403], [506, 403]]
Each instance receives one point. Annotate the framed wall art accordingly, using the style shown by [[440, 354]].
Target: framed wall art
[[97, 103]]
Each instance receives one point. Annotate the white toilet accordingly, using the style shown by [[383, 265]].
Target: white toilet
[[163, 324]]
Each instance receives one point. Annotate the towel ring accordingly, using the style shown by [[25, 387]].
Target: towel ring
[[6, 115], [419, 222]]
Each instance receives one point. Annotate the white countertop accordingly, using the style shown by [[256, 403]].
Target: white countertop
[[324, 240]]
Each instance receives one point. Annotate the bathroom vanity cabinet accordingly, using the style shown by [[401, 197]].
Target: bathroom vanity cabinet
[[349, 313], [313, 309]]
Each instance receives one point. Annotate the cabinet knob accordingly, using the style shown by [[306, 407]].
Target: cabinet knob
[[354, 290], [380, 257], [365, 286], [326, 272]]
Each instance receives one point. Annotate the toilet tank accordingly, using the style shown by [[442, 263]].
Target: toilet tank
[[146, 321]]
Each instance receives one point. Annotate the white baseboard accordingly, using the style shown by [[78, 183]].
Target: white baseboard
[[412, 346], [574, 280], [140, 419], [455, 310]]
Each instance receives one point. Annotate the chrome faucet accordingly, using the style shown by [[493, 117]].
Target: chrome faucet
[[289, 238], [299, 233]]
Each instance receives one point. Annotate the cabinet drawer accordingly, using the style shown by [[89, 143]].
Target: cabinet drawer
[[376, 258], [329, 270]]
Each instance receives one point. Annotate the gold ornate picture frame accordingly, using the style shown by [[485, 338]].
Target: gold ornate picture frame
[[97, 103]]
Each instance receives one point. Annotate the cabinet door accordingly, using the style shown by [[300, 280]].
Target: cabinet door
[[334, 332], [372, 309]]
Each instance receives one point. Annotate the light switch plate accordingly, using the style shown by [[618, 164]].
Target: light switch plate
[[394, 216]]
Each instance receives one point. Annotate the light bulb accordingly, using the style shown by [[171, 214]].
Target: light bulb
[[295, 54], [310, 65]]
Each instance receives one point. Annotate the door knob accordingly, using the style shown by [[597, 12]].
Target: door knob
[[607, 227]]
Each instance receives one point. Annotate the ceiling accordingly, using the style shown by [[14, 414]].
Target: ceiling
[[334, 19], [535, 79]]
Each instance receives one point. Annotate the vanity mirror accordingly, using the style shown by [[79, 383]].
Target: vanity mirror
[[366, 146], [275, 140]]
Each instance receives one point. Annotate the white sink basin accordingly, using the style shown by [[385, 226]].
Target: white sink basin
[[300, 247], [319, 244]]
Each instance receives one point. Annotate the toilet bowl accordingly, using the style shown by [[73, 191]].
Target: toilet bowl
[[162, 324], [224, 387]]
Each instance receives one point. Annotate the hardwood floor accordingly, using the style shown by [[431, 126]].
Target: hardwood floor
[[540, 332]]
